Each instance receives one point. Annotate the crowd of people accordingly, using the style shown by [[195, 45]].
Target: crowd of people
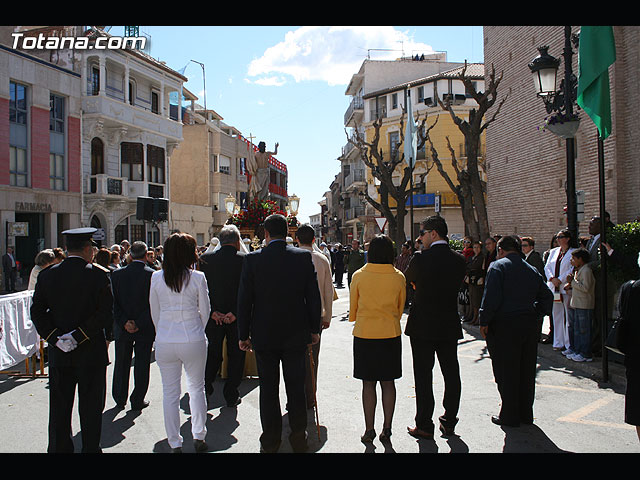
[[507, 300], [185, 302]]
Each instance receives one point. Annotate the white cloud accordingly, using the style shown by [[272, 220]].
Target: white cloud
[[271, 81], [330, 54]]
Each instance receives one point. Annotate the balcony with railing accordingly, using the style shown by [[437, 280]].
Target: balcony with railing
[[355, 178], [103, 184], [377, 112], [354, 212], [354, 111], [116, 112]]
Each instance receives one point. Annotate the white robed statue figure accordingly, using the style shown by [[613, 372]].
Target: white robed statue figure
[[258, 168]]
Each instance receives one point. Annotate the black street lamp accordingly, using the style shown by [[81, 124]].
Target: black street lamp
[[560, 102]]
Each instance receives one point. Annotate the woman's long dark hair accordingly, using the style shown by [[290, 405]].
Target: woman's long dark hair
[[180, 256]]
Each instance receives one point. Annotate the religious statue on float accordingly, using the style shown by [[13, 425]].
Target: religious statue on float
[[258, 168]]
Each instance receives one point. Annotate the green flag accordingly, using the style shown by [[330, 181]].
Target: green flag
[[596, 53]]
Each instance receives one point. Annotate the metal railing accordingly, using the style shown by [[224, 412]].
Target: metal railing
[[356, 104]]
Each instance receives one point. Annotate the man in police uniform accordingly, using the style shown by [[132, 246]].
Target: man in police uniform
[[72, 305]]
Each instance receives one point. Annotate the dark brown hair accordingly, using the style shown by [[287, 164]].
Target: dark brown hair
[[381, 250], [103, 257], [179, 257]]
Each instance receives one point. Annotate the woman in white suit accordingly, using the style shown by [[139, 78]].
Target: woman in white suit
[[557, 268], [180, 308]]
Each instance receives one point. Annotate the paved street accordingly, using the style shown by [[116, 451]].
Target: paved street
[[574, 413]]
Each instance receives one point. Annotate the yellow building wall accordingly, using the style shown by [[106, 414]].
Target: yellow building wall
[[443, 129], [190, 168]]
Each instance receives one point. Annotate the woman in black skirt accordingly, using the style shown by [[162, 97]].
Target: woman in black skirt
[[377, 295]]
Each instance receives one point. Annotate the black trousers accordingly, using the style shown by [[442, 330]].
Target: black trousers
[[513, 347], [293, 371], [339, 273], [235, 360], [423, 353], [10, 276], [91, 384], [125, 348]]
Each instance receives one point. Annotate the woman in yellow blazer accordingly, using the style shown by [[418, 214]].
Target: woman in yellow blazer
[[377, 295]]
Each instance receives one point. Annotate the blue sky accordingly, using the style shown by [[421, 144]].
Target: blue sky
[[287, 84]]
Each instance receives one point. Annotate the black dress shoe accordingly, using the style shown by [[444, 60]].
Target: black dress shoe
[[299, 442], [140, 406], [200, 446], [234, 403], [496, 419], [417, 433], [270, 448], [446, 430]]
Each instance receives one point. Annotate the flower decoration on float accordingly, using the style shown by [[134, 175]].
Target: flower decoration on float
[[256, 212]]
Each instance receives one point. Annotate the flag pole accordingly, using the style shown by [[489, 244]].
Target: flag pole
[[604, 312]]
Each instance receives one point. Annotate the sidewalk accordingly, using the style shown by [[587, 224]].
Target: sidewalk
[[593, 370]]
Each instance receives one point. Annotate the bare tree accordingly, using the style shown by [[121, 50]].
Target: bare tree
[[469, 186], [382, 168]]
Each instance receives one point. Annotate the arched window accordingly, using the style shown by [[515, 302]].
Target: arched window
[[97, 156]]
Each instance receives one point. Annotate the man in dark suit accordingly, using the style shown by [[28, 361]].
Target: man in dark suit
[[533, 258], [279, 313], [436, 273], [222, 269], [133, 329], [594, 247], [71, 309], [9, 268], [515, 296]]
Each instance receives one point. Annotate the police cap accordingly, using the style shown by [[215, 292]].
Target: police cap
[[76, 238]]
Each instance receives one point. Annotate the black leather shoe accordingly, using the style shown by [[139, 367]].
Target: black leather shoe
[[200, 446], [299, 443], [417, 433], [140, 406], [235, 403], [270, 449], [445, 429], [496, 419]]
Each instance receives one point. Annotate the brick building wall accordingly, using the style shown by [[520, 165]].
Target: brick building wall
[[526, 171]]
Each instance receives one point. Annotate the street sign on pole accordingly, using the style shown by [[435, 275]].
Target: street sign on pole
[[382, 223]]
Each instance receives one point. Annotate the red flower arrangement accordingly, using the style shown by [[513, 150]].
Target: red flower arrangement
[[256, 212]]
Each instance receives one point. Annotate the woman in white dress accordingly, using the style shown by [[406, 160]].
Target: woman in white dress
[[180, 308], [557, 268]]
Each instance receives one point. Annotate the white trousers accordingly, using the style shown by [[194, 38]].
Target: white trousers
[[171, 358], [560, 319]]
